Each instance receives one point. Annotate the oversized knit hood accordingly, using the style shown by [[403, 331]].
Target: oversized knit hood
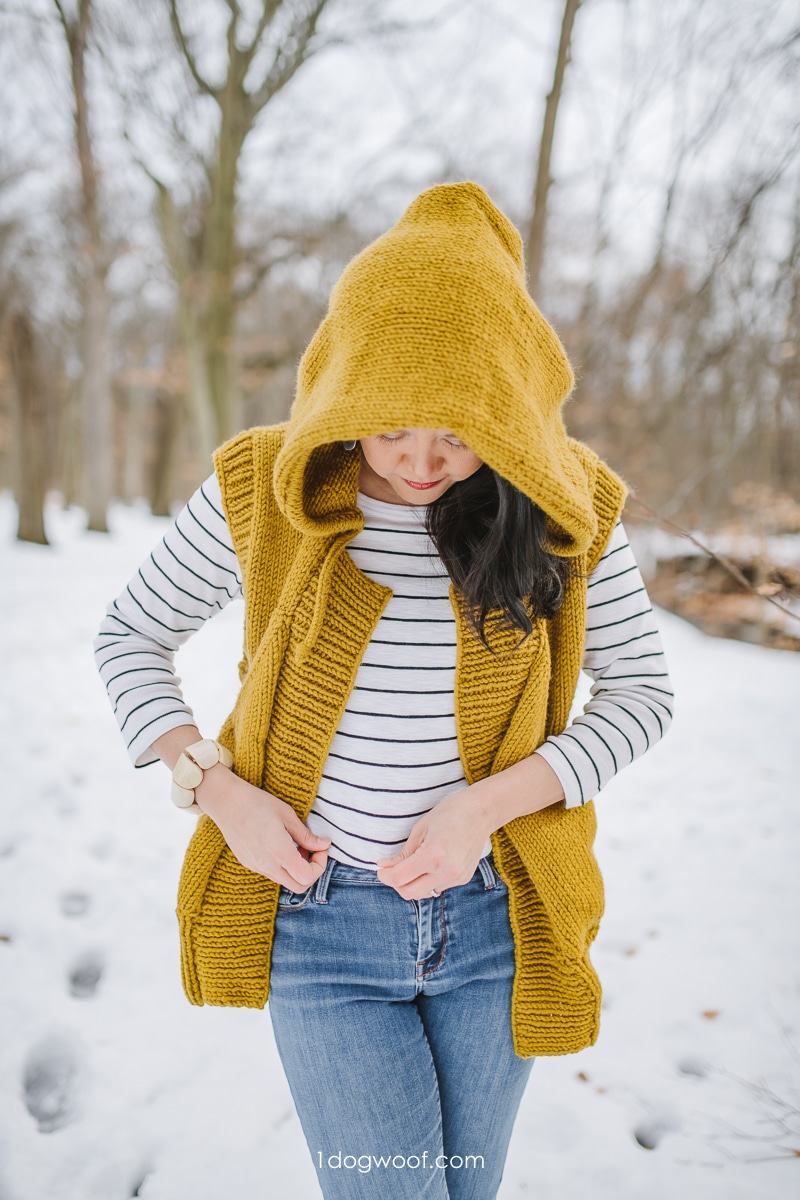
[[431, 326]]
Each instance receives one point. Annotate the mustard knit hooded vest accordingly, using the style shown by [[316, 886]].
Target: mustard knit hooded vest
[[289, 494]]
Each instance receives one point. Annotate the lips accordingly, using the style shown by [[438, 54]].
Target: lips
[[422, 487]]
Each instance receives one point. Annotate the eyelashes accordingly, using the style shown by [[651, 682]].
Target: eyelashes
[[395, 437]]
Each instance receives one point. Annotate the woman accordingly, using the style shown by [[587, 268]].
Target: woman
[[400, 856]]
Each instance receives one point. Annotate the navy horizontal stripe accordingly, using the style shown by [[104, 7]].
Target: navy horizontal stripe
[[377, 666], [406, 791], [394, 741], [395, 766], [365, 812], [400, 553], [362, 687], [399, 716], [360, 837]]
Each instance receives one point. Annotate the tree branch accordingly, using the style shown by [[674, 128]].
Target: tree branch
[[536, 229], [62, 16], [286, 64], [724, 562], [191, 63], [268, 13]]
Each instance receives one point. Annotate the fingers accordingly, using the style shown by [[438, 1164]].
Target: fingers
[[287, 878], [281, 860], [308, 855], [410, 847], [302, 834], [299, 872], [402, 871], [415, 877], [298, 878], [411, 880]]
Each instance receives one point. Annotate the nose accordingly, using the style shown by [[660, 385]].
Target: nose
[[424, 462]]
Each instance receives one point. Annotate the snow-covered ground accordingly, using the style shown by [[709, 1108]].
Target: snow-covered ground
[[114, 1086]]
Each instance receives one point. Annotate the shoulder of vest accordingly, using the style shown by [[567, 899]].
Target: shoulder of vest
[[608, 493], [244, 468]]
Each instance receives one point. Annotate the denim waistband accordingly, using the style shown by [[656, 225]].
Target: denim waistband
[[344, 870]]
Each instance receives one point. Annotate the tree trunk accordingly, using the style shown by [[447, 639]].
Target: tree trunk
[[97, 411], [135, 409], [236, 116], [69, 455], [205, 268], [30, 428], [192, 321], [98, 431], [538, 224], [167, 440]]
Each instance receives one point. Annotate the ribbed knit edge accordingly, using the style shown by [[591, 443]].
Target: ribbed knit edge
[[233, 463]]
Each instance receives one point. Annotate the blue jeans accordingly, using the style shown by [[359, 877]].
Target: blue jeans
[[393, 1022]]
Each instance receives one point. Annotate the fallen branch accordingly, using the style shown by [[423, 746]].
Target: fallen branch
[[724, 562]]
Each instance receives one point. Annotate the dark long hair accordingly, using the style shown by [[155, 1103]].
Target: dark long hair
[[491, 539]]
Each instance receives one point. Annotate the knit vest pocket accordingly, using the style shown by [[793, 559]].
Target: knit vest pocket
[[225, 919], [555, 905]]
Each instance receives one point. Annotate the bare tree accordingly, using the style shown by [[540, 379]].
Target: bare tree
[[534, 253], [97, 411], [30, 421], [685, 339], [201, 240]]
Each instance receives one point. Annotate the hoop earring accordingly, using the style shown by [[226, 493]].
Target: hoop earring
[[349, 445]]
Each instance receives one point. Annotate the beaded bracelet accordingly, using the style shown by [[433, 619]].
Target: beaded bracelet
[[188, 771]]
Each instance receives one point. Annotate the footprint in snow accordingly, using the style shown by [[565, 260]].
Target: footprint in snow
[[74, 904], [649, 1133], [49, 1082], [85, 974], [137, 1185], [693, 1067]]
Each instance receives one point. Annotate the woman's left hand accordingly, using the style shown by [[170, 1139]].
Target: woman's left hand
[[445, 846], [442, 851]]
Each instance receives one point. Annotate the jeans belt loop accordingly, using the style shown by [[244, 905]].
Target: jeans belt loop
[[321, 892], [488, 873]]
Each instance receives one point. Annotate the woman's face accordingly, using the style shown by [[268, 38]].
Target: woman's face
[[414, 466]]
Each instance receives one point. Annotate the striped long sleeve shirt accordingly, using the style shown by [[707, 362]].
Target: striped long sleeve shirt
[[395, 753]]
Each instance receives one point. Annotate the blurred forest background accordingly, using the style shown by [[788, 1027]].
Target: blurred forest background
[[181, 182]]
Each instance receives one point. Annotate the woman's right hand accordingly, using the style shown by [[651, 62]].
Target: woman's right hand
[[264, 833]]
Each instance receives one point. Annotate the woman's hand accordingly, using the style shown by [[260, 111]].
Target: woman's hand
[[445, 846], [265, 834], [442, 851]]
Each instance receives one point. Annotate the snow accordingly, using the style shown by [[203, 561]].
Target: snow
[[132, 1091]]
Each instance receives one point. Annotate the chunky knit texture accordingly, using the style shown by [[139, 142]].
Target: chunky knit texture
[[433, 319], [289, 494]]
